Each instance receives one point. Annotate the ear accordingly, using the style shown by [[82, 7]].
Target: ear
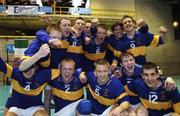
[[142, 76], [121, 64], [95, 73]]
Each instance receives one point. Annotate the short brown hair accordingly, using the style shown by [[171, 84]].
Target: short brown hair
[[51, 27], [115, 25], [67, 60], [125, 54], [150, 65], [102, 62], [59, 21]]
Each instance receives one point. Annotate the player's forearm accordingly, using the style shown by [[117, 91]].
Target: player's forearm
[[123, 106], [29, 62]]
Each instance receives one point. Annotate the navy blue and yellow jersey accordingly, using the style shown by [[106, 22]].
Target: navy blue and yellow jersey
[[103, 96], [126, 79], [56, 55], [93, 52], [112, 43], [120, 46], [139, 43], [66, 93], [27, 92], [157, 101], [75, 49]]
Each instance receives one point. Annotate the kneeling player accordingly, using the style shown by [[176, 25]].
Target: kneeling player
[[154, 97]]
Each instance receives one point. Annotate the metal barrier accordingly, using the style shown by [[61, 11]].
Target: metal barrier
[[55, 10]]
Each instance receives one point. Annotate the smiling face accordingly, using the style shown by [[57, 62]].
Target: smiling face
[[67, 68], [65, 26], [118, 31], [102, 71], [128, 24], [150, 77], [128, 63]]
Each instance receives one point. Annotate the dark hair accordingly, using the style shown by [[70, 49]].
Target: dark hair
[[78, 18], [115, 25], [59, 21], [150, 65], [103, 26], [127, 16], [125, 54]]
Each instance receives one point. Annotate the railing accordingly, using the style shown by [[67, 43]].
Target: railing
[[17, 37], [58, 11]]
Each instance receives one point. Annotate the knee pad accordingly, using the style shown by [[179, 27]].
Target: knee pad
[[84, 107]]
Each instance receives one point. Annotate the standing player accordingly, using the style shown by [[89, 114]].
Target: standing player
[[87, 29], [75, 49], [52, 39], [113, 40], [137, 42], [96, 49]]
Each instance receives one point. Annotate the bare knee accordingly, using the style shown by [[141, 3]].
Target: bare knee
[[41, 112], [141, 111], [10, 114], [131, 112], [5, 111], [175, 114]]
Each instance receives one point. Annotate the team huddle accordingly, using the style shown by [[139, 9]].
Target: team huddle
[[88, 70]]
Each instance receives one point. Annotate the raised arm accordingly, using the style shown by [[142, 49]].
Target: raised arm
[[43, 51], [163, 30], [142, 26], [43, 37]]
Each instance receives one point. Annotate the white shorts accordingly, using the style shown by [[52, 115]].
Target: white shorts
[[105, 113], [69, 110], [169, 114], [25, 112], [48, 87]]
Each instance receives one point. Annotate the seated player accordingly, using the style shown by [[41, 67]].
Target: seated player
[[130, 71], [154, 97], [67, 89], [27, 87], [105, 92]]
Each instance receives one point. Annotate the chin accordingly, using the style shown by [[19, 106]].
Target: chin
[[150, 85]]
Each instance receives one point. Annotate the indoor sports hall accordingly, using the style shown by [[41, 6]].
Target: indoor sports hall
[[26, 25]]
